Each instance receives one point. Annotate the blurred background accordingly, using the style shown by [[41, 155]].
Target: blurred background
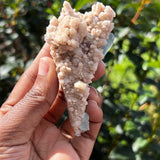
[[131, 85]]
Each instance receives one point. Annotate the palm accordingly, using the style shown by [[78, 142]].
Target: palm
[[45, 141], [49, 143]]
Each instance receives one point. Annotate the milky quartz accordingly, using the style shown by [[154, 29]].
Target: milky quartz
[[76, 42]]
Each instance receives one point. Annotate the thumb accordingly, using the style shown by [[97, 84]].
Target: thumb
[[28, 112]]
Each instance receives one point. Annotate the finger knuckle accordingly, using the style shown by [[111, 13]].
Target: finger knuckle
[[37, 95]]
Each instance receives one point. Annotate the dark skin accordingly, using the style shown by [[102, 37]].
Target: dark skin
[[29, 117]]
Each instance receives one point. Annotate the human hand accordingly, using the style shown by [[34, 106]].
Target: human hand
[[29, 117]]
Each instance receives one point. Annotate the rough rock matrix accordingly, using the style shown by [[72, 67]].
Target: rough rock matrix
[[76, 42]]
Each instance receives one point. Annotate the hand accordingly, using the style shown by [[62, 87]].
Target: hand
[[29, 117]]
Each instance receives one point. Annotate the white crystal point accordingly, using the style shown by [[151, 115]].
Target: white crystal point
[[109, 44], [85, 123]]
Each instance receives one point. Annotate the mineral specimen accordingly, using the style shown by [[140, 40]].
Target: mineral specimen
[[76, 42]]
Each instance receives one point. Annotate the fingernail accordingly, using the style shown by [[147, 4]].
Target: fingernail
[[94, 90], [93, 102], [43, 67]]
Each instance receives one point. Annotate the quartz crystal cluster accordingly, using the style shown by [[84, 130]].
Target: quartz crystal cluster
[[76, 42]]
